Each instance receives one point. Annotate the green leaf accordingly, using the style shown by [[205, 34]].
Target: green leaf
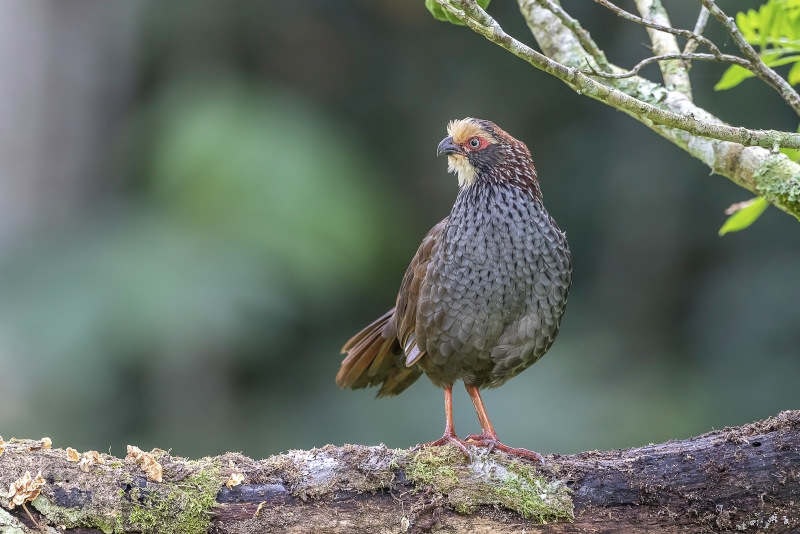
[[736, 74], [794, 74], [733, 77], [774, 60], [748, 24], [439, 13], [745, 216], [792, 153]]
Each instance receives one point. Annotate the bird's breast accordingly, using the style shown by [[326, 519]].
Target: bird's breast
[[498, 261]]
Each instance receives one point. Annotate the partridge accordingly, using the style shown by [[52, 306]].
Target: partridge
[[483, 297]]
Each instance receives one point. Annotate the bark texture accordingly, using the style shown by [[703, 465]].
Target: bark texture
[[736, 479]]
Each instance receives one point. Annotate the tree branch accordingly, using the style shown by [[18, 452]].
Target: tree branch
[[699, 26], [477, 19], [756, 65], [636, 68], [674, 72], [583, 36], [764, 172], [745, 478], [653, 25]]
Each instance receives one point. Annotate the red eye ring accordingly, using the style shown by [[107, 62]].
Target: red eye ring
[[476, 143]]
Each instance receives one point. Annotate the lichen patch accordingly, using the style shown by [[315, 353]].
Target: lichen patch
[[319, 472]]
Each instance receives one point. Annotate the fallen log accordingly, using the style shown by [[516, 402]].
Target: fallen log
[[736, 479]]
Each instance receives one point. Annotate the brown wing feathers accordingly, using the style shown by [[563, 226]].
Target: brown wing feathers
[[362, 351], [375, 355]]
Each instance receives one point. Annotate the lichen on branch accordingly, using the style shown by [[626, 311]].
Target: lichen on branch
[[749, 158]]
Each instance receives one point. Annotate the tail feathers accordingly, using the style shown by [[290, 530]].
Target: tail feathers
[[398, 381], [374, 357]]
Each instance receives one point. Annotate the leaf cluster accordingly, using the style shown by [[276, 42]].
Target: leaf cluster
[[775, 29]]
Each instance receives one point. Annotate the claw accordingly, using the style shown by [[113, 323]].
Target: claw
[[448, 439], [491, 442]]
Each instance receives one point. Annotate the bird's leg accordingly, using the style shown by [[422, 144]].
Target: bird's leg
[[449, 436], [489, 438]]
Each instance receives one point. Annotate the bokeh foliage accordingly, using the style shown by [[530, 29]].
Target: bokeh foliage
[[276, 170]]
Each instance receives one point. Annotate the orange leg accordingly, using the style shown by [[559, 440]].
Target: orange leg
[[489, 438], [449, 437]]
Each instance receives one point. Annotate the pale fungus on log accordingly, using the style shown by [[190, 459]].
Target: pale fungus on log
[[735, 479]]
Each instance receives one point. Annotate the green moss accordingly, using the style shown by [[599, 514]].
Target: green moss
[[436, 467], [184, 509], [489, 481], [75, 517], [165, 508], [532, 495]]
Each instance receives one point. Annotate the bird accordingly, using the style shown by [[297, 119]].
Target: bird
[[483, 297]]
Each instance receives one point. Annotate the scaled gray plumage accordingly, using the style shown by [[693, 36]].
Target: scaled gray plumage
[[495, 288]]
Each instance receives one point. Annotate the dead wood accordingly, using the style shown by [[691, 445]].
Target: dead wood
[[736, 479]]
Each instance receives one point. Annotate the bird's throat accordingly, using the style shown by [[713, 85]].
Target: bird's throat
[[461, 166]]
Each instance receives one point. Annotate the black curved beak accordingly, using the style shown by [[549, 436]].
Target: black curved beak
[[448, 147]]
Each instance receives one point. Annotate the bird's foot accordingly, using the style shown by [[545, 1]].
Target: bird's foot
[[448, 439], [492, 443]]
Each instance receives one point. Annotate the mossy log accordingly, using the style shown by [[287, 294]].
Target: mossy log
[[736, 479]]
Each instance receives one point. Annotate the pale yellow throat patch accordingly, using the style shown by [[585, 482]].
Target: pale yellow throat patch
[[461, 167]]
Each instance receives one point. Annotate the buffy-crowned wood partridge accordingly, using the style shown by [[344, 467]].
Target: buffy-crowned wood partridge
[[483, 297]]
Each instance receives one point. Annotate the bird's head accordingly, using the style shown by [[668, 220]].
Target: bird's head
[[479, 150]]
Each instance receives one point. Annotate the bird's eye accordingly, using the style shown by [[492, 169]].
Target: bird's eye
[[474, 142]]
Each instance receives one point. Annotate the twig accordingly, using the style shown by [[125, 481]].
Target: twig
[[667, 29], [699, 26], [582, 35], [674, 72], [479, 21], [724, 58], [758, 67], [38, 526]]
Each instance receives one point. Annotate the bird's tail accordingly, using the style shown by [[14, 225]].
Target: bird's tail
[[374, 357]]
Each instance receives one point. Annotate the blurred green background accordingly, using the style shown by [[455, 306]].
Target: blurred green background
[[201, 201]]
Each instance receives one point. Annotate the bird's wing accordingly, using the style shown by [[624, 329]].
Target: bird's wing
[[408, 297], [384, 352], [372, 355]]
